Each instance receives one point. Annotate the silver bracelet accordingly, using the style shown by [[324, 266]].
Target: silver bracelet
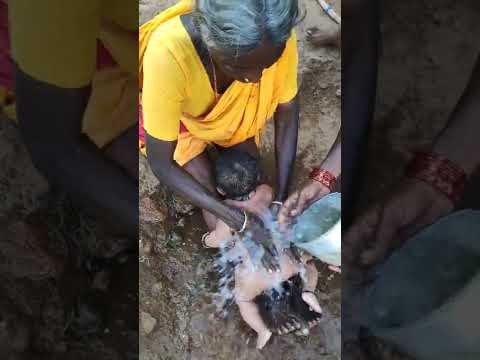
[[245, 222], [279, 203]]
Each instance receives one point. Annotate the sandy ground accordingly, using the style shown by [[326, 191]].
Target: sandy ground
[[176, 281]]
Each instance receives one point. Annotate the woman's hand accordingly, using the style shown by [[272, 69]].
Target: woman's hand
[[301, 200], [262, 237], [387, 225]]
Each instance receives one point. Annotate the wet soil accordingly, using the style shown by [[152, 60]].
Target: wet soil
[[177, 282]]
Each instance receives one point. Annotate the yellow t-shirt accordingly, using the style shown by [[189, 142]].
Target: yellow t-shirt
[[55, 41], [175, 81]]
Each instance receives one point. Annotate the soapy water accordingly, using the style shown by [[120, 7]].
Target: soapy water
[[249, 254]]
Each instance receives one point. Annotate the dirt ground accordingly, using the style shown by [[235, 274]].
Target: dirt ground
[[428, 51], [427, 56], [176, 281]]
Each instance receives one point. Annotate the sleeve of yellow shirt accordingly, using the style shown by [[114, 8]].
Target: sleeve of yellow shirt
[[164, 89], [291, 87], [55, 41]]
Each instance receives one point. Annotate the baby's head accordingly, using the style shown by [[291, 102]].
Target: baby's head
[[237, 174]]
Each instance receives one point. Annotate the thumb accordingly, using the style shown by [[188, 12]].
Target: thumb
[[386, 230]]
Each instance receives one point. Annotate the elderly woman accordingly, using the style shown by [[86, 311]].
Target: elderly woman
[[215, 73]]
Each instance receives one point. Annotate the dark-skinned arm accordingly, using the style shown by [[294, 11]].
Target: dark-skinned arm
[[50, 120], [169, 173], [360, 32], [286, 137]]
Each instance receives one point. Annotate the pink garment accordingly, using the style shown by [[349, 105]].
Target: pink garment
[[141, 131]]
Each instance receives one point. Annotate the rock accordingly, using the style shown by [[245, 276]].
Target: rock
[[157, 288], [148, 322]]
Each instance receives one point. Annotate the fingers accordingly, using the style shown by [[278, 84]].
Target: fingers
[[269, 262], [359, 234], [296, 254], [303, 201], [386, 229], [284, 214]]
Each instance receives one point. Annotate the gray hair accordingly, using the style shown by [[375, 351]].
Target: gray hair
[[241, 25]]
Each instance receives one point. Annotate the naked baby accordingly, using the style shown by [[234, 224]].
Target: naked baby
[[237, 178]]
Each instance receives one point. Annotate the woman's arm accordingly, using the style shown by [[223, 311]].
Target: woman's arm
[[160, 157], [286, 137], [313, 190], [415, 204], [50, 120], [459, 140], [169, 173], [333, 161], [360, 40]]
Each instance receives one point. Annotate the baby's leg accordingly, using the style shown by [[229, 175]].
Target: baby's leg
[[218, 237], [310, 285], [251, 315]]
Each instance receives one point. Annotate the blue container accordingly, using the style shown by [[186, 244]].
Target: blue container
[[318, 230], [426, 297]]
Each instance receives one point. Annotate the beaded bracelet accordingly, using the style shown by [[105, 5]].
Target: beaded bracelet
[[440, 173], [324, 177]]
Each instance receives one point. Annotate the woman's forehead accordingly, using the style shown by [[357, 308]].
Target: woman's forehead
[[263, 56]]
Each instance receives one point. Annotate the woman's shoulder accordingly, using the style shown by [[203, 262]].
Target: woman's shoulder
[[171, 37]]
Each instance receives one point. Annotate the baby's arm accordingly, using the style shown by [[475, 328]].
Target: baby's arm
[[309, 286]]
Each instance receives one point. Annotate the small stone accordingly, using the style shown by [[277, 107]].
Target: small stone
[[148, 322], [323, 86], [157, 288], [339, 92]]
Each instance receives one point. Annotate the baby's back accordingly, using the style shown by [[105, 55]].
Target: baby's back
[[250, 282]]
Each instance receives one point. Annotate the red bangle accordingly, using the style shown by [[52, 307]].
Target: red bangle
[[439, 172], [324, 177]]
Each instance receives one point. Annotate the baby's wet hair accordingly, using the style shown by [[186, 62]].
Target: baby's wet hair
[[236, 173]]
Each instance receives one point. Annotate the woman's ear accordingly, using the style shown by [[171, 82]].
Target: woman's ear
[[220, 191]]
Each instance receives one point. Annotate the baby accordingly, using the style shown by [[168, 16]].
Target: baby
[[237, 177]]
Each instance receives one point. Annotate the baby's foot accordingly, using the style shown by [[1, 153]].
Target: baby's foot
[[323, 37], [336, 269], [291, 324], [263, 338], [310, 298]]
